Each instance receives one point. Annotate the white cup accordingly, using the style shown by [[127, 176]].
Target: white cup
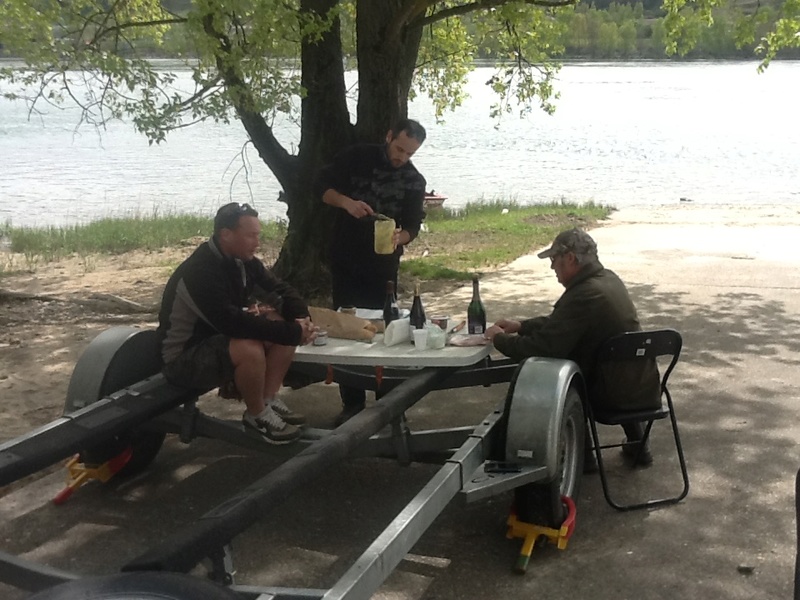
[[420, 338]]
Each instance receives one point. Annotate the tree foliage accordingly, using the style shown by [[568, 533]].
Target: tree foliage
[[771, 26], [253, 59]]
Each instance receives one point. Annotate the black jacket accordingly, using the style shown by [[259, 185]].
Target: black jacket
[[363, 172], [206, 294], [594, 307]]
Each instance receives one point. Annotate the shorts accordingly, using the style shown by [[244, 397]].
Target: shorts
[[203, 366]]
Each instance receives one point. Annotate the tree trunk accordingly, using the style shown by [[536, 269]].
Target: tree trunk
[[387, 53], [326, 129], [386, 67]]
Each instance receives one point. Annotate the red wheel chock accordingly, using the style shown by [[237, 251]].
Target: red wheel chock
[[79, 473], [531, 533]]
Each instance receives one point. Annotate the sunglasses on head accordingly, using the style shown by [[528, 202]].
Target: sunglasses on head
[[243, 209]]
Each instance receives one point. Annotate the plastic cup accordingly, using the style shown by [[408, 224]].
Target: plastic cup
[[440, 321], [420, 338]]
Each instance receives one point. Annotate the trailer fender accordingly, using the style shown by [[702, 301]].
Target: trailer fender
[[116, 358], [536, 410]]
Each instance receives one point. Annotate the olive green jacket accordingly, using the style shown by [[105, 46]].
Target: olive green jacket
[[594, 307]]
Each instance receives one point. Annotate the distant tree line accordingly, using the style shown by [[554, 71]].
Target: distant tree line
[[603, 30], [608, 30]]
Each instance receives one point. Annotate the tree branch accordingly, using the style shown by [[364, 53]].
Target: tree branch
[[406, 15], [280, 162], [133, 24], [482, 5]]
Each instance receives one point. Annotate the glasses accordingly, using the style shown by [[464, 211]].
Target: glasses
[[228, 216], [556, 256], [235, 208]]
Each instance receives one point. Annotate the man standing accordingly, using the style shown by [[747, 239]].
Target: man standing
[[214, 333], [364, 181], [594, 307]]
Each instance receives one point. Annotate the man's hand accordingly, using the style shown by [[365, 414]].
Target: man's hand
[[358, 209], [355, 208], [309, 331], [491, 332], [502, 326], [508, 325], [400, 237]]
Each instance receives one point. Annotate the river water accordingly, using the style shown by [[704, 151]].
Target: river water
[[623, 134]]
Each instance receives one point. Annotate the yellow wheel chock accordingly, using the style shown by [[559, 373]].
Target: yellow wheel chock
[[531, 533], [79, 473]]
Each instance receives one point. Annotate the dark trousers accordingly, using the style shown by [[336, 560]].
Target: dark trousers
[[361, 290]]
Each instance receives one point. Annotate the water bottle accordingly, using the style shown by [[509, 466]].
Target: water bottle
[[476, 314]]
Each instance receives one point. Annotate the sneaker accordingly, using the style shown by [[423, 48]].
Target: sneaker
[[348, 412], [645, 458], [271, 427], [286, 413]]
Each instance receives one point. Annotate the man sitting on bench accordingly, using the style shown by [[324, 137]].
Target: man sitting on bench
[[213, 333]]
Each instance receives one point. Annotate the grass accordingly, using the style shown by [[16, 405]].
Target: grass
[[454, 246], [484, 236], [115, 236]]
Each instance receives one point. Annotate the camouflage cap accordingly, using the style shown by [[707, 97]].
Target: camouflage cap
[[573, 240]]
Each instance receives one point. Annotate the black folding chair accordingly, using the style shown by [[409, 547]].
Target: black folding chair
[[639, 345]]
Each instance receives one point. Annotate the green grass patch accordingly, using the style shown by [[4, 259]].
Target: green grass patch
[[488, 235], [455, 245], [117, 236]]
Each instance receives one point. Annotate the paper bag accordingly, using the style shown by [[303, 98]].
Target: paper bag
[[342, 325]]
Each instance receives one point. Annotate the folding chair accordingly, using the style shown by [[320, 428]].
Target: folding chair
[[639, 345]]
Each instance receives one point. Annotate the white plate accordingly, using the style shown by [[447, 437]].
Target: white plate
[[375, 314]]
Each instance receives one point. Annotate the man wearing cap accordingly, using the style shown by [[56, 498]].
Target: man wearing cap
[[595, 306]]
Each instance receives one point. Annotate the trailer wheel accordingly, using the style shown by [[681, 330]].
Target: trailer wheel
[[540, 502], [118, 357], [144, 446], [138, 586]]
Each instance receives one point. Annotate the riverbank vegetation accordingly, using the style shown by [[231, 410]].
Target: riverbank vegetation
[[453, 245]]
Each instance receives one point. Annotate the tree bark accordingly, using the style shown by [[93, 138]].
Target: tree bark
[[387, 53], [326, 129]]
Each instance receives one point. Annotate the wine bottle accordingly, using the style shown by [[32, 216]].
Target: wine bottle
[[390, 310], [476, 314], [417, 312]]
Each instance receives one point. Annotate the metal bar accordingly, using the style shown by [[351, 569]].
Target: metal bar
[[226, 430], [364, 377], [215, 529], [391, 546], [30, 576], [255, 592], [89, 426], [420, 442]]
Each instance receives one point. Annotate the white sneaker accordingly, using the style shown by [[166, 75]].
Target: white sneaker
[[286, 413], [271, 427]]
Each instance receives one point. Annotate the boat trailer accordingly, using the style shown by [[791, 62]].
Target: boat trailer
[[120, 407]]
